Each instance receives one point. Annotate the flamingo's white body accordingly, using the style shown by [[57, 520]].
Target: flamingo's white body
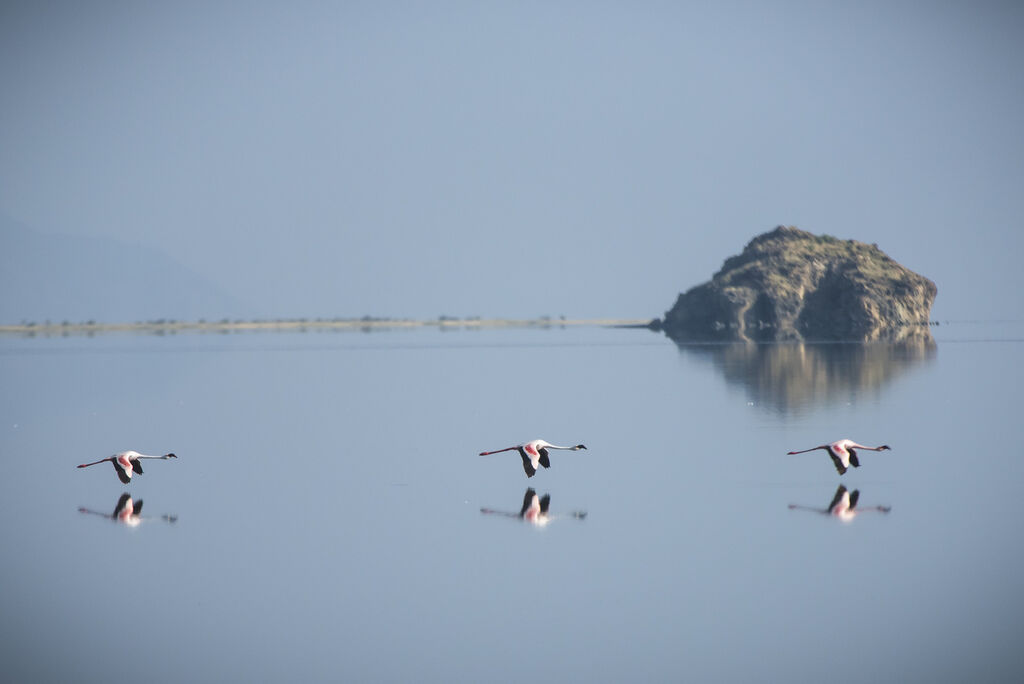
[[126, 462], [843, 506], [843, 453], [534, 454]]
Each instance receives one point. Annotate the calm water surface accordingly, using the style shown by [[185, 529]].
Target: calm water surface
[[323, 520]]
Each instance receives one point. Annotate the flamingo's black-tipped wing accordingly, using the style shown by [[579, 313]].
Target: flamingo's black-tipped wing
[[854, 461], [136, 466], [854, 495], [840, 490], [138, 507], [544, 460], [527, 501], [124, 477], [838, 463], [122, 502], [545, 501], [527, 464]]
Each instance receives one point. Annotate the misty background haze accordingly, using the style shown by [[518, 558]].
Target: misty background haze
[[190, 160]]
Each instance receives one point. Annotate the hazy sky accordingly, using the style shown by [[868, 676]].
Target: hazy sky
[[517, 158]]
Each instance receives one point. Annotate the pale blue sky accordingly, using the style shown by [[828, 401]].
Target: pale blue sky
[[517, 159]]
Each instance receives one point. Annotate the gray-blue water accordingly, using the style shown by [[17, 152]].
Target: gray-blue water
[[327, 500]]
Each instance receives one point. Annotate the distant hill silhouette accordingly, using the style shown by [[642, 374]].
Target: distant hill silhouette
[[48, 276]]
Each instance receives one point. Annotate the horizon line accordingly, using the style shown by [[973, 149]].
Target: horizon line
[[366, 323]]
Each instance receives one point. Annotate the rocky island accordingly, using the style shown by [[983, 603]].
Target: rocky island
[[791, 285]]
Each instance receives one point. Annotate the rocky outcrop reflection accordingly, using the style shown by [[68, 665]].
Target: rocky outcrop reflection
[[843, 506], [796, 376], [534, 510], [128, 512]]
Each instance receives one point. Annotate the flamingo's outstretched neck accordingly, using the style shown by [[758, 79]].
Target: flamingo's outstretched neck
[[804, 451]]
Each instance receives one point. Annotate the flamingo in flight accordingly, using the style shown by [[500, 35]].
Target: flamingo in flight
[[127, 512], [843, 453], [843, 506], [126, 462], [534, 510], [534, 452]]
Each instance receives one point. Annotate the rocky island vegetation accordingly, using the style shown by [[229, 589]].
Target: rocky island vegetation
[[791, 285]]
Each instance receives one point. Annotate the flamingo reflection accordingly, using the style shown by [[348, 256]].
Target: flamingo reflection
[[127, 512], [843, 506], [535, 510]]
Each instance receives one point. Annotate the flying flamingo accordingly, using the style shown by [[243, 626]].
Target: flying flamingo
[[842, 453], [843, 506], [534, 452], [127, 512], [126, 462], [534, 510]]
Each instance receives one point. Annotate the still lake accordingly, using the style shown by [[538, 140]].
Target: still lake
[[323, 520]]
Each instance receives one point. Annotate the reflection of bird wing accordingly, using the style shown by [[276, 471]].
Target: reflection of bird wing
[[527, 501], [545, 501], [840, 490], [121, 503], [528, 465], [838, 462], [854, 461], [122, 474], [544, 461], [138, 507], [853, 498]]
